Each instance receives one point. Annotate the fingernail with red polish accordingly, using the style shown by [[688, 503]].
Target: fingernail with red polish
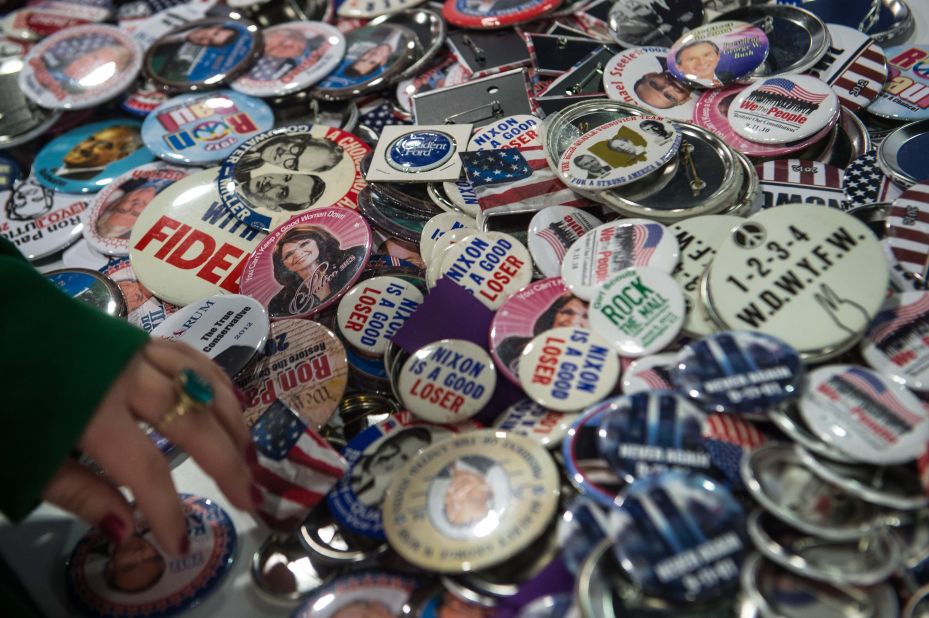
[[240, 395], [185, 544], [256, 495], [113, 527]]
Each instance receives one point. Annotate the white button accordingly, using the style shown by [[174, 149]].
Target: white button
[[374, 310]]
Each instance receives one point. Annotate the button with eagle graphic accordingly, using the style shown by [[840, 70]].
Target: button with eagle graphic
[[552, 231], [717, 54], [798, 181], [855, 66], [906, 235], [784, 109], [905, 96], [640, 76], [864, 183], [895, 342], [39, 221], [491, 266]]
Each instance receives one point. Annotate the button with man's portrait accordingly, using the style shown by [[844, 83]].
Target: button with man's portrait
[[204, 128], [203, 54], [295, 56], [653, 22], [140, 578], [471, 501], [784, 109], [371, 594], [86, 159], [308, 263], [39, 221], [143, 308], [718, 54], [284, 172], [374, 456], [640, 76]]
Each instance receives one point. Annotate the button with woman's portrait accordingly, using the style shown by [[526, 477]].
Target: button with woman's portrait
[[640, 76], [139, 578], [718, 54], [80, 67], [374, 310], [308, 263], [367, 594], [39, 221], [284, 172]]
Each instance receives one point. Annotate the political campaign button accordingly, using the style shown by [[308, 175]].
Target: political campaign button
[[440, 225], [185, 246], [901, 154], [86, 159], [798, 264], [738, 372], [109, 220], [700, 519], [777, 479], [447, 72], [308, 263], [327, 545], [365, 593], [619, 152], [39, 221], [374, 457], [649, 373], [368, 10], [640, 76], [640, 310], [375, 57], [609, 248], [538, 307], [895, 342], [418, 154], [203, 54], [229, 329], [905, 96], [22, 119], [471, 501], [430, 31], [567, 369], [284, 172], [140, 578], [204, 128], [788, 420], [157, 18], [389, 220], [303, 365], [552, 231], [864, 183], [867, 416], [635, 23], [80, 67], [698, 238], [539, 424], [563, 127], [905, 236], [854, 66], [144, 310], [82, 255], [42, 19], [91, 287], [783, 109], [295, 55], [796, 181], [447, 381], [491, 266], [374, 310], [718, 54], [495, 14], [142, 99]]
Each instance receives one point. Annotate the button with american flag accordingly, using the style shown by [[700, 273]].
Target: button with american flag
[[649, 373], [855, 66], [864, 182], [784, 109], [907, 233], [795, 181], [869, 417], [552, 230], [897, 342]]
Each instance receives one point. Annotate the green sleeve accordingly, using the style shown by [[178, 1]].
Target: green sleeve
[[57, 359]]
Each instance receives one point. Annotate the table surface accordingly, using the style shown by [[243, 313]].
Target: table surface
[[38, 547]]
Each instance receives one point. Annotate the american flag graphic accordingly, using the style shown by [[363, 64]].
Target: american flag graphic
[[656, 378], [907, 234], [854, 66], [554, 241], [786, 88], [871, 387], [865, 183], [484, 167], [727, 439], [380, 117], [791, 172], [647, 236], [294, 469], [887, 323]]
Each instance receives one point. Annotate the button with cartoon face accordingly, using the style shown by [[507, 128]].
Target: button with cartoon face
[[718, 54], [39, 221]]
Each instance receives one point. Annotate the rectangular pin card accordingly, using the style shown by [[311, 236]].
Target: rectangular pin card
[[477, 102], [586, 77], [488, 52], [553, 55]]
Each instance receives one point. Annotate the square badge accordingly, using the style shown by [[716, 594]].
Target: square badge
[[421, 153]]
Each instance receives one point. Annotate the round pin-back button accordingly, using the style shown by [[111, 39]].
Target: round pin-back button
[[635, 23], [374, 310], [365, 10], [488, 14], [447, 72], [22, 119], [795, 181], [144, 310], [284, 172], [784, 109], [607, 249], [448, 381], [536, 308], [308, 263], [231, 329], [366, 593], [586, 469], [789, 421], [639, 311], [904, 235], [86, 159], [440, 225], [39, 221], [281, 571], [864, 183], [109, 220], [649, 373], [738, 372], [80, 67], [303, 364], [568, 368], [619, 152], [185, 246], [82, 255], [91, 287], [142, 100], [894, 344], [529, 419], [139, 578], [512, 484], [295, 55], [375, 57], [901, 154], [204, 128], [798, 264], [374, 457], [870, 418], [491, 266], [718, 54], [42, 19], [905, 96], [420, 151], [640, 76], [552, 231], [203, 54], [698, 238], [855, 67], [694, 514]]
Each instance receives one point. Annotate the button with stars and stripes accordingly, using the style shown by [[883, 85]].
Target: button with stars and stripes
[[907, 233], [855, 66], [784, 109], [865, 183], [552, 231], [795, 181], [895, 341]]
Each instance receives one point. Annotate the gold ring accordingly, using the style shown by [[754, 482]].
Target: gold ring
[[193, 393]]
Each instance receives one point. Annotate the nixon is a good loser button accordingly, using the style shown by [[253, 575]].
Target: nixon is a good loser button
[[374, 310], [489, 265]]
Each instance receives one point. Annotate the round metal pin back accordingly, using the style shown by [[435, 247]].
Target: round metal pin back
[[366, 593], [902, 153]]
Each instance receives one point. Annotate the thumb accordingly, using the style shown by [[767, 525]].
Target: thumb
[[76, 489]]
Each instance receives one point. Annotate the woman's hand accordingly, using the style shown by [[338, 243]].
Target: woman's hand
[[215, 437]]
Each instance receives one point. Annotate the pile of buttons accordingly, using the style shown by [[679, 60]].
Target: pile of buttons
[[541, 307]]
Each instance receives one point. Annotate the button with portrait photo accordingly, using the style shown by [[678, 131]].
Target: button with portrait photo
[[718, 54], [640, 76]]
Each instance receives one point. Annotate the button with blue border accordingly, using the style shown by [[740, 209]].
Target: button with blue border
[[420, 151]]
